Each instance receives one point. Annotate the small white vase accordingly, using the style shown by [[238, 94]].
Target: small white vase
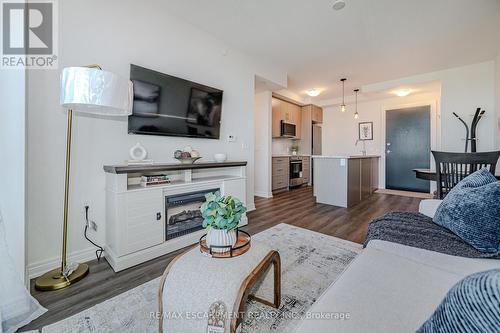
[[138, 152], [217, 237]]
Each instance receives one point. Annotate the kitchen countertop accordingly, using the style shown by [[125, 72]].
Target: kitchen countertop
[[290, 155], [344, 156]]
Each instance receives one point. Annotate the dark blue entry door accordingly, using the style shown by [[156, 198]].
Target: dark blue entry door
[[408, 142]]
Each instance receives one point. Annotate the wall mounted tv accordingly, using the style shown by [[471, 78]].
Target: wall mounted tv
[[168, 105]]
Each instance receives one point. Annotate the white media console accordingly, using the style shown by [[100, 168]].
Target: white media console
[[137, 218]]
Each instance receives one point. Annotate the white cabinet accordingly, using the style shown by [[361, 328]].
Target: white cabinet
[[144, 220], [135, 215], [236, 188], [135, 220]]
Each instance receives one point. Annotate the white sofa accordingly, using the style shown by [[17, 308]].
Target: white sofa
[[390, 287]]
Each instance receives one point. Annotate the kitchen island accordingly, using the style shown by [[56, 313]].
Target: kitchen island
[[345, 181]]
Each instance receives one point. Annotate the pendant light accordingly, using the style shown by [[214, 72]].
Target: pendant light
[[342, 107], [356, 114]]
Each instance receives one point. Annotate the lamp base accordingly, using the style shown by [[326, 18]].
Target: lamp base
[[53, 280]]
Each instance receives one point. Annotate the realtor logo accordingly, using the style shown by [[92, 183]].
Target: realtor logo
[[29, 34]]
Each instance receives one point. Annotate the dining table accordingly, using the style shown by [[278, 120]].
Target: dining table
[[429, 174]]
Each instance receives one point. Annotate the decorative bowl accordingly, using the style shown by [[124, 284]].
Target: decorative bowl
[[188, 160], [220, 157]]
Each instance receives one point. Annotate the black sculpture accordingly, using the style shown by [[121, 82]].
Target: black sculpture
[[477, 117]]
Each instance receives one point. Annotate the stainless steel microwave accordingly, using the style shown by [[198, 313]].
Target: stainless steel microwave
[[288, 130]]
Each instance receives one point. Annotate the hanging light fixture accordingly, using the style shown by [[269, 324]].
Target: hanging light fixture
[[342, 107], [356, 114]]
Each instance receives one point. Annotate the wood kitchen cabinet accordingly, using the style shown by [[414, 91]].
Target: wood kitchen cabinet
[[362, 179], [296, 118], [316, 114], [277, 105], [288, 112], [280, 173], [306, 169]]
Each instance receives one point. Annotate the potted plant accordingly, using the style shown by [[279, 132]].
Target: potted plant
[[221, 215]]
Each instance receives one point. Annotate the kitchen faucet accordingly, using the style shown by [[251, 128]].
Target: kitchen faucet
[[364, 146]]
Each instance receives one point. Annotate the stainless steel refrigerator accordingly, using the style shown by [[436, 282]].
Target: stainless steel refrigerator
[[316, 146], [316, 139]]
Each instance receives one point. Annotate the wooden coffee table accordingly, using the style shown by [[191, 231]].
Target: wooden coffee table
[[193, 282]]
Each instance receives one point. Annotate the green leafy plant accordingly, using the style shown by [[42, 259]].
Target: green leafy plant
[[221, 212]]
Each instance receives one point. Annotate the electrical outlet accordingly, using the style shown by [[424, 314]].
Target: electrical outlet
[[93, 226]]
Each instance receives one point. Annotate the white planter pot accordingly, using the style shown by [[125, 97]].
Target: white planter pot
[[216, 237]]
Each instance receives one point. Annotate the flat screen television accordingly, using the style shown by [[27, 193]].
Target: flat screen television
[[168, 105]]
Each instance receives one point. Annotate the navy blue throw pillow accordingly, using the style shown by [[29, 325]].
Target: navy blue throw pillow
[[471, 305], [471, 210]]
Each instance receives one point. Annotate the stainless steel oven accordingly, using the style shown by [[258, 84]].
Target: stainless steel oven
[[288, 130], [296, 171]]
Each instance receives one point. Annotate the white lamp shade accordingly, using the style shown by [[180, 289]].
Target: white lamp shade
[[94, 91]]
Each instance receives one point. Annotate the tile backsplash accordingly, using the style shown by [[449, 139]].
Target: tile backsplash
[[281, 146]]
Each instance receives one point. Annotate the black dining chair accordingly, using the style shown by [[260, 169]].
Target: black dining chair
[[451, 168]]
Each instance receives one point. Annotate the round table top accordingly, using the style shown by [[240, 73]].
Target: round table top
[[196, 281], [428, 174]]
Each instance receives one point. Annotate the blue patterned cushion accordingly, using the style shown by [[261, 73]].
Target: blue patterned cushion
[[471, 305], [471, 210]]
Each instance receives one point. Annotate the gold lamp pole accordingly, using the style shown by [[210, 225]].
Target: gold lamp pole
[[82, 91]]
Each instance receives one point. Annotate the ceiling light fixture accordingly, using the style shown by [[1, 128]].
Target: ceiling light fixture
[[313, 92], [342, 106], [338, 4], [356, 114], [403, 92]]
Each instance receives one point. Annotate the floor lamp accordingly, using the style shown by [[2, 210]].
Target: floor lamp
[[85, 90]]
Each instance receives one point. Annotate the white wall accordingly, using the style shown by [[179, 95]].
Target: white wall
[[263, 149], [463, 89], [293, 96], [12, 167], [340, 130], [497, 98], [115, 34]]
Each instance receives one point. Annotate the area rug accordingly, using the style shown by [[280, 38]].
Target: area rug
[[310, 263]]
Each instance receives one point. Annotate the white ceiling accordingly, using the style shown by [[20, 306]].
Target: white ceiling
[[368, 41]]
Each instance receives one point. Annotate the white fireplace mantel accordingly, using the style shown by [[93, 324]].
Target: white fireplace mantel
[[135, 215]]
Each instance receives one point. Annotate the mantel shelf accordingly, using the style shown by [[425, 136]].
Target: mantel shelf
[[122, 169]]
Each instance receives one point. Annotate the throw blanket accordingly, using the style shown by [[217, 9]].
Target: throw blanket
[[418, 230]]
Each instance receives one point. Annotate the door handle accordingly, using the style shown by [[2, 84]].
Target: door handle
[[158, 216], [388, 151]]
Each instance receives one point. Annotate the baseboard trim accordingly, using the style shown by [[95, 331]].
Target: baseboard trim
[[420, 195], [263, 194], [251, 207], [38, 268]]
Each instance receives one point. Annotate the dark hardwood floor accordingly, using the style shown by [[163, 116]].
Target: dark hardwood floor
[[296, 207]]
